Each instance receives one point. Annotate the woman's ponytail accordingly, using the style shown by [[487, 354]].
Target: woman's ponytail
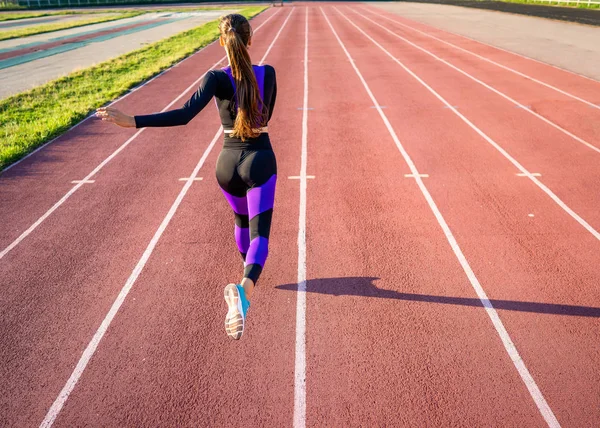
[[235, 31]]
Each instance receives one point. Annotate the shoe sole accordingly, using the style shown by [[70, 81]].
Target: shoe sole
[[234, 320]]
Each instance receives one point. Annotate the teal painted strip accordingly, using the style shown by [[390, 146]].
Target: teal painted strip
[[11, 62]]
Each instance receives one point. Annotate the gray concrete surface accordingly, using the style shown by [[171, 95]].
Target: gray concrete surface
[[571, 46], [26, 76]]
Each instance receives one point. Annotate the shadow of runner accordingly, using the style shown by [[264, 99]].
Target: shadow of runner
[[365, 287]]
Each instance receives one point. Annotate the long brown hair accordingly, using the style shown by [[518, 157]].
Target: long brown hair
[[236, 32]]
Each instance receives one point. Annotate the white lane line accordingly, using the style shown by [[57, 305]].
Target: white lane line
[[193, 179], [132, 90], [504, 153], [533, 174], [490, 61], [91, 348], [83, 181], [297, 177], [300, 359], [491, 88], [513, 53], [276, 36], [107, 160], [413, 175], [509, 346]]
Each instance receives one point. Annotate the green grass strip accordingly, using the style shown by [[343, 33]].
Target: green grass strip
[[39, 29], [582, 5], [29, 119]]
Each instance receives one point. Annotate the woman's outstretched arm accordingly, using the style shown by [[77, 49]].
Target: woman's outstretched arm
[[176, 117]]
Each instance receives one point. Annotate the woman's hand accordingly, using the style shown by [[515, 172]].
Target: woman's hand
[[111, 114]]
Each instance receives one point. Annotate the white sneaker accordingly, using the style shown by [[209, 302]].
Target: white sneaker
[[238, 305]]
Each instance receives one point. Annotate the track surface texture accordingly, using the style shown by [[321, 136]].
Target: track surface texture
[[433, 262]]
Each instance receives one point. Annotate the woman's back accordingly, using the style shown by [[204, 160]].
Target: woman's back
[[225, 94]]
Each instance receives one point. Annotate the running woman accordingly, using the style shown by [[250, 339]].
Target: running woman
[[246, 168]]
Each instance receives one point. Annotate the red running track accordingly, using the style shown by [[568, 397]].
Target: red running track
[[395, 333]]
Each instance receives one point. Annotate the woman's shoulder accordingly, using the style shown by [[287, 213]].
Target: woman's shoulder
[[269, 72], [216, 73], [218, 76], [269, 68]]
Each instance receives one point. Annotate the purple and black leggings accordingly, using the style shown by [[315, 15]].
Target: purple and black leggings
[[247, 177]]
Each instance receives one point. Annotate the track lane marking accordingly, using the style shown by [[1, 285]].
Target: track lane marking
[[300, 351], [509, 346], [193, 178]]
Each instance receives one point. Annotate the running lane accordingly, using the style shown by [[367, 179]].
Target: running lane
[[30, 188], [537, 265], [567, 167], [166, 359], [380, 349], [60, 282]]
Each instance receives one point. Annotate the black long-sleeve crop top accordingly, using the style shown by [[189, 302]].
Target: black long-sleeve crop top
[[218, 84]]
